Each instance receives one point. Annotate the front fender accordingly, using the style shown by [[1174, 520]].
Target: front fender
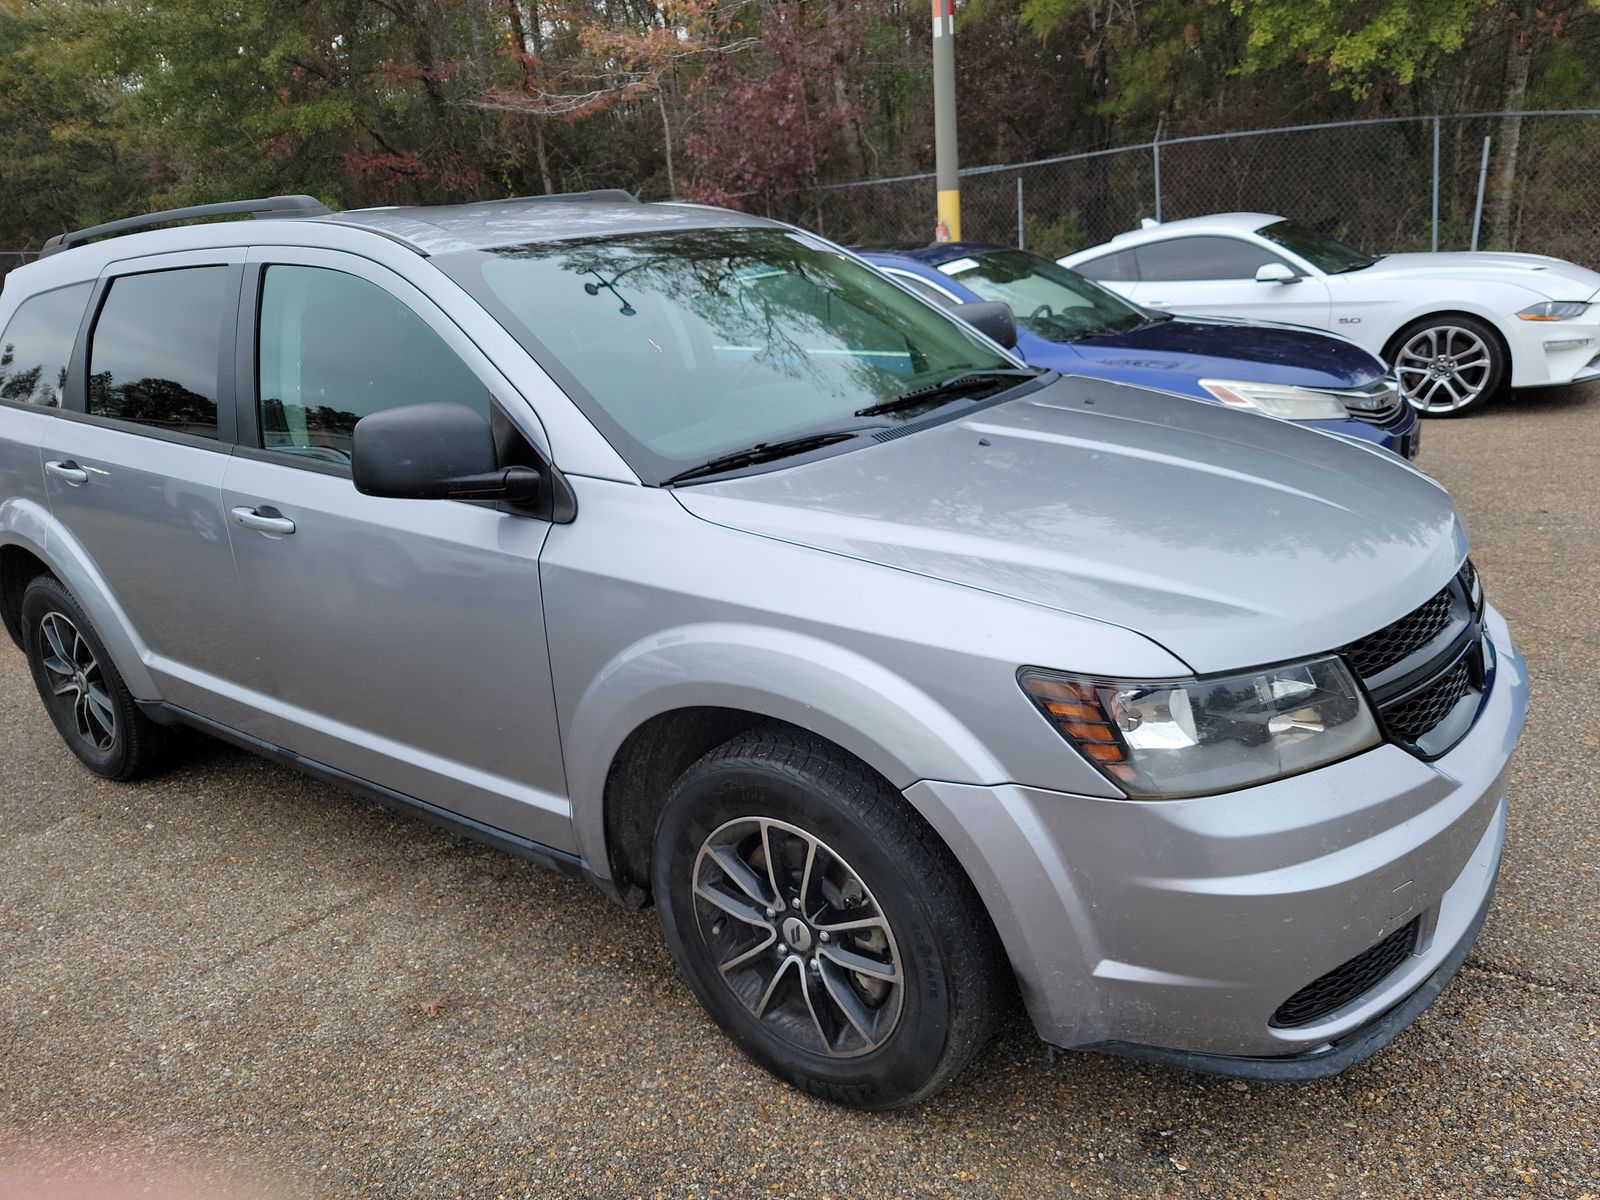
[[26, 523], [883, 719]]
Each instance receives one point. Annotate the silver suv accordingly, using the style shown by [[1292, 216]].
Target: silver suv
[[682, 549]]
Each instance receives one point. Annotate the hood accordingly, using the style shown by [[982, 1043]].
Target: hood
[[1230, 538], [1224, 349], [1552, 277]]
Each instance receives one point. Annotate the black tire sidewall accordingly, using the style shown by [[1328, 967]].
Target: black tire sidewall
[[1499, 360], [717, 791], [44, 596]]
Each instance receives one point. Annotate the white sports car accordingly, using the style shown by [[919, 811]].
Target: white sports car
[[1458, 328]]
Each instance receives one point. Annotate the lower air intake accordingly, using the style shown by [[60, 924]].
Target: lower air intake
[[1349, 981]]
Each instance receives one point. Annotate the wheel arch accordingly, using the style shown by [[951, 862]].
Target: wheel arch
[[658, 707], [31, 542]]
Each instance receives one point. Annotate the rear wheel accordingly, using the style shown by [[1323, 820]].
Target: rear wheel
[[822, 924], [1449, 366], [89, 704]]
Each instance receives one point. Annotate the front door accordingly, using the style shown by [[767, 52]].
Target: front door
[[1216, 276], [403, 640]]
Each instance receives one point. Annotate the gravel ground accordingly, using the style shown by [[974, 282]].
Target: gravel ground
[[233, 964]]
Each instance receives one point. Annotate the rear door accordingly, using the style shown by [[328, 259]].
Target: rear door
[[133, 469], [403, 639], [1215, 276], [35, 350]]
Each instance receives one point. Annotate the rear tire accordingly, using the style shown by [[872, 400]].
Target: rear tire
[[823, 924], [86, 698], [1449, 365]]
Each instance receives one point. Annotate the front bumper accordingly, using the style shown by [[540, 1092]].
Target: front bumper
[[1552, 353], [1175, 929]]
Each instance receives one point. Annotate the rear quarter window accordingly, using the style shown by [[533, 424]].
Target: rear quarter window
[[37, 346]]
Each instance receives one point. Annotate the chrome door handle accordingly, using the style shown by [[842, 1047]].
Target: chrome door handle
[[69, 471], [265, 519]]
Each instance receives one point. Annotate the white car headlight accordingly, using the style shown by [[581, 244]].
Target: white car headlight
[[1168, 739], [1555, 310], [1277, 400]]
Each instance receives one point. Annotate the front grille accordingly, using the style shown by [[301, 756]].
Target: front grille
[[1419, 714], [1377, 652], [1349, 981], [1419, 669], [1377, 403]]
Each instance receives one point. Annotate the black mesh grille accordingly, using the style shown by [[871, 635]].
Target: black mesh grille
[[1412, 719], [1347, 982], [1379, 651]]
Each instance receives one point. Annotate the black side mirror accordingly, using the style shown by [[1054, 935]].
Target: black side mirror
[[992, 318], [434, 452]]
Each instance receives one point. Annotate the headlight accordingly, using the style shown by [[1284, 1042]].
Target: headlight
[[1277, 400], [1166, 739], [1555, 310]]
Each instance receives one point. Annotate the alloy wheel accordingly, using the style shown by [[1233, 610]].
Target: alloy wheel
[[798, 937], [1443, 368], [76, 681]]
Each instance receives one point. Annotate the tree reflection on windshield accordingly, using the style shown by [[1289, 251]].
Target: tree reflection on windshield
[[695, 343]]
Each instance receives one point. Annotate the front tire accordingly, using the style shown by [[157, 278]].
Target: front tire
[[88, 702], [822, 923], [1449, 366]]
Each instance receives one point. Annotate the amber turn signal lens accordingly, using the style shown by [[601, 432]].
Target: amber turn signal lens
[[1078, 714]]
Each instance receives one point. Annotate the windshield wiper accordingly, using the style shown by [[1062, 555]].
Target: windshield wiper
[[759, 453], [966, 381], [1358, 266]]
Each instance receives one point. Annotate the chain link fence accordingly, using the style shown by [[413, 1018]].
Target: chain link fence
[[1502, 181]]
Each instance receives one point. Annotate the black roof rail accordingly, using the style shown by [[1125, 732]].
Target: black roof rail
[[269, 206]]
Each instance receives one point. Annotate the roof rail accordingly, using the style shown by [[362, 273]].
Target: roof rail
[[599, 195], [270, 206]]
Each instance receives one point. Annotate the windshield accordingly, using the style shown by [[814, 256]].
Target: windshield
[[1328, 255], [684, 346], [1050, 301]]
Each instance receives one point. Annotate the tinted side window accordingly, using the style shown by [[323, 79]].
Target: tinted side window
[[1202, 258], [153, 354], [37, 345], [1120, 266], [333, 348]]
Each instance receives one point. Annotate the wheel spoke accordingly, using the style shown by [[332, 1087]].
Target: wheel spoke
[[741, 875], [746, 956], [849, 1005], [736, 908], [771, 856], [839, 927], [807, 983], [100, 709], [805, 877], [772, 986], [861, 964], [81, 654], [60, 660]]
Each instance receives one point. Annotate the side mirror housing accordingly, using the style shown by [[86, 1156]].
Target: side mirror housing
[[1277, 272], [434, 452], [993, 319]]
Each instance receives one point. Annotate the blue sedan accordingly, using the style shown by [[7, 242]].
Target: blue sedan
[[1070, 324]]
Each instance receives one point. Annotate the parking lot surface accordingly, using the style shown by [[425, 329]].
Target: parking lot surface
[[237, 963]]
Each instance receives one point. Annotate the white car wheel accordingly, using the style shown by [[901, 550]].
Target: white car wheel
[[1448, 366]]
